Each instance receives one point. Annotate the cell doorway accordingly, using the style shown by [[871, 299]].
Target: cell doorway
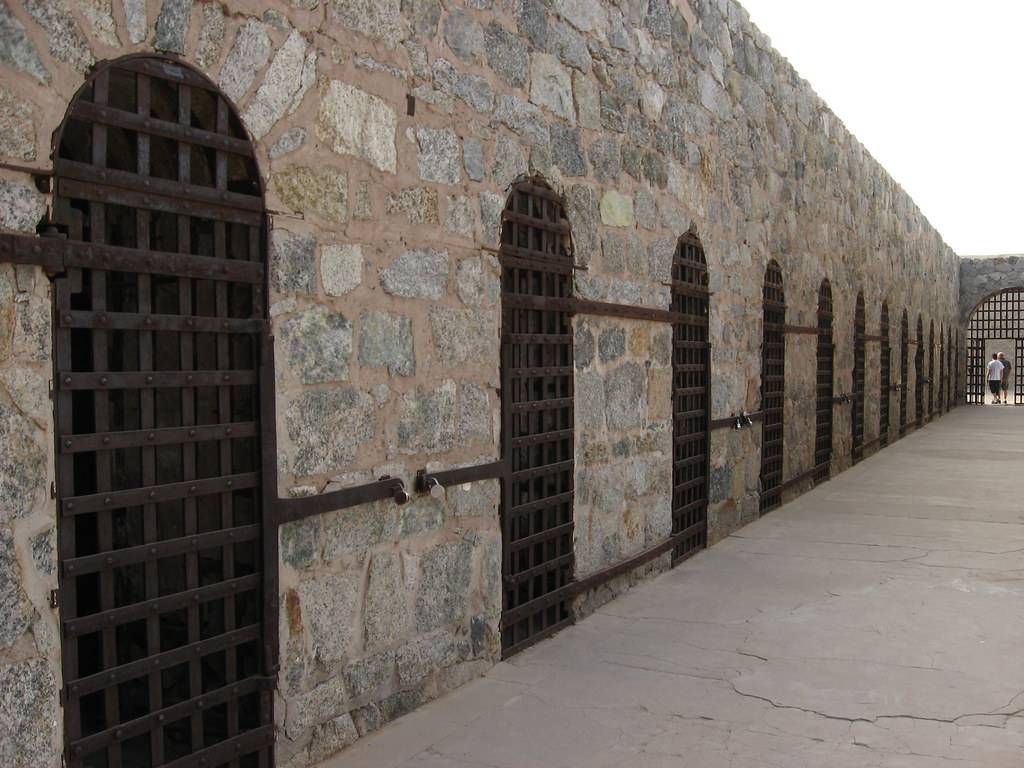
[[996, 326]]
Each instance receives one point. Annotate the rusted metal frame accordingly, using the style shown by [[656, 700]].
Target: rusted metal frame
[[156, 720], [155, 664], [164, 68], [182, 132], [155, 550], [261, 738], [730, 422], [810, 330], [99, 193], [449, 477], [96, 502], [606, 309], [135, 321], [145, 186], [514, 217], [291, 510], [150, 437], [44, 252], [104, 380]]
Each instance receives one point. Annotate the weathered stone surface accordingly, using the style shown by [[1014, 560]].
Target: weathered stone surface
[[587, 100], [299, 543], [584, 345], [475, 499], [22, 465], [386, 615], [419, 204], [582, 211], [474, 421], [425, 656], [509, 161], [277, 19], [491, 206], [66, 41], [626, 396], [613, 112], [248, 55], [377, 19], [532, 21], [362, 208], [292, 262], [523, 118], [569, 46], [427, 420], [472, 89], [439, 155], [17, 128], [317, 345], [373, 716], [589, 400], [475, 284], [99, 14], [136, 20], [617, 209], [473, 158], [331, 737], [327, 427], [14, 605], [329, 604], [341, 268], [16, 50], [32, 332], [585, 15], [28, 708], [566, 151], [211, 36], [322, 704], [385, 341], [444, 586], [424, 15], [464, 35], [645, 208], [350, 532], [370, 672], [611, 344], [606, 159], [551, 86], [289, 76], [421, 274], [463, 335], [507, 55], [322, 191], [459, 217], [288, 142], [172, 25]]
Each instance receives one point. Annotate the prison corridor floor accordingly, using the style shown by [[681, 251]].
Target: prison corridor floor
[[875, 621]]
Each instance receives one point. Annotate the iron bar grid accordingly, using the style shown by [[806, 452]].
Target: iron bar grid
[[859, 331], [773, 388], [885, 380], [825, 390], [1001, 316]]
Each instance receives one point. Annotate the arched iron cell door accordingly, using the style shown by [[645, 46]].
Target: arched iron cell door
[[919, 374], [940, 384], [537, 417], [931, 370], [773, 387], [885, 376], [904, 370], [691, 398], [1000, 316], [825, 386], [859, 330], [950, 370], [157, 360]]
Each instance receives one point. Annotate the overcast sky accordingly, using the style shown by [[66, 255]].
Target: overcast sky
[[934, 89]]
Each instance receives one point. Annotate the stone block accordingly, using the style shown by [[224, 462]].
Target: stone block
[[22, 465], [422, 515], [472, 89], [386, 613], [317, 345], [43, 547], [474, 419], [509, 161], [329, 605], [341, 268], [443, 593], [370, 673], [421, 274], [473, 158], [425, 656], [300, 543], [292, 262], [584, 346], [419, 204], [460, 218], [551, 86], [617, 209], [532, 22], [491, 207], [424, 16], [566, 152], [16, 49], [427, 420], [28, 708], [353, 531], [248, 55], [326, 429], [332, 737], [477, 284], [14, 604], [478, 499], [590, 403], [288, 142], [626, 396], [321, 191], [605, 159], [582, 211], [377, 19], [289, 76], [587, 99], [172, 25], [323, 703], [21, 207], [611, 344], [211, 37], [523, 118], [463, 335], [439, 157], [464, 36], [353, 122], [385, 341], [585, 15], [507, 55], [17, 128]]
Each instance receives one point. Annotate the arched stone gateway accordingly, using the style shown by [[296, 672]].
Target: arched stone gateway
[[157, 402], [998, 317]]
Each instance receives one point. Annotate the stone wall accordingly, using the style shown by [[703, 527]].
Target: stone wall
[[388, 132], [982, 276]]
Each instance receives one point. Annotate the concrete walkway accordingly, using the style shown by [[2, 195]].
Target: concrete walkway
[[876, 621]]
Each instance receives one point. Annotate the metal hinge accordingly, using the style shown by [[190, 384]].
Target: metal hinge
[[53, 489], [54, 600]]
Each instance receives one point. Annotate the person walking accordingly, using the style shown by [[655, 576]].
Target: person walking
[[1006, 378], [995, 377]]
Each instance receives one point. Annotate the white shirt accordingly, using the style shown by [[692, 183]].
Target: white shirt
[[995, 371]]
